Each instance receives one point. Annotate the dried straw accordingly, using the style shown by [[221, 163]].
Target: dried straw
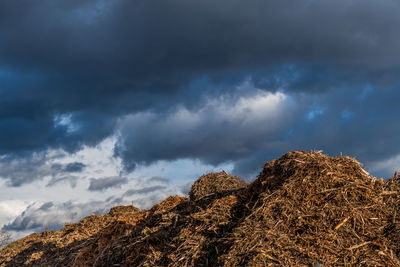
[[304, 209]]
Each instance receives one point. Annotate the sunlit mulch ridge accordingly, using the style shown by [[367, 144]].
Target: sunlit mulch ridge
[[215, 182]]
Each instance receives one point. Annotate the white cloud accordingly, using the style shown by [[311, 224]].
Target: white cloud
[[23, 209], [10, 209], [53, 215], [221, 130], [385, 167]]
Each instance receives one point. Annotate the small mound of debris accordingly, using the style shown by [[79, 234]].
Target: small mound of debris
[[215, 183], [120, 210], [304, 209], [58, 247]]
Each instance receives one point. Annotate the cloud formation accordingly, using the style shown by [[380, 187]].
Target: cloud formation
[[37, 166], [144, 190], [219, 131], [158, 179], [70, 179], [38, 216], [101, 184], [53, 215], [74, 167], [167, 79]]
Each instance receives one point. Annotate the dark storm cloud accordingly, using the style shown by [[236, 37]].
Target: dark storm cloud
[[74, 167], [218, 132], [362, 125], [153, 39], [357, 122], [24, 170], [144, 190], [71, 70], [102, 184], [69, 167], [28, 168], [71, 180]]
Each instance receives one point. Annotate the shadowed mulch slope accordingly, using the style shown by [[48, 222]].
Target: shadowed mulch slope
[[304, 209]]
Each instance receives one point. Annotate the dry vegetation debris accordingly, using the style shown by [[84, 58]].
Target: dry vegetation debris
[[304, 209], [215, 183]]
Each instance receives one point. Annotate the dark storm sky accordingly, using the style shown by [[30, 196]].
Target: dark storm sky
[[73, 73]]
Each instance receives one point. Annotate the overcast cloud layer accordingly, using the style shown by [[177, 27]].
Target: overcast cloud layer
[[211, 82]]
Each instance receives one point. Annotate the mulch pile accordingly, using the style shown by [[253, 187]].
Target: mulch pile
[[304, 209], [215, 183]]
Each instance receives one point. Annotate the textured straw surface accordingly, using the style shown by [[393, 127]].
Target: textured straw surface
[[215, 182], [304, 209]]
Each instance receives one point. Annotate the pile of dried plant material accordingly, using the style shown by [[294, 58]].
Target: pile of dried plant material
[[215, 182], [311, 209], [304, 209], [53, 246]]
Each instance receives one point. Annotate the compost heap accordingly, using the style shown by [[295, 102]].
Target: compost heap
[[304, 209]]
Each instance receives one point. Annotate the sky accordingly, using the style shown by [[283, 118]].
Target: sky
[[116, 102]]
